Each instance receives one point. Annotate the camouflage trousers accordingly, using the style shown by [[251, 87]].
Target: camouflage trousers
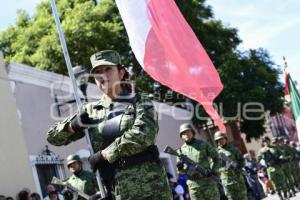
[[288, 175], [146, 181], [205, 189], [277, 177], [296, 171], [234, 187]]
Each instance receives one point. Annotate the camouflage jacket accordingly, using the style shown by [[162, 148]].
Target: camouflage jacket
[[203, 154], [270, 155], [84, 181], [233, 154], [287, 153], [138, 129]]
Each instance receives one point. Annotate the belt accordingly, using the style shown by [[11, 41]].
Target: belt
[[151, 154]]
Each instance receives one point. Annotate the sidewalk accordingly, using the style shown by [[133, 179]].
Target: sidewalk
[[275, 197]]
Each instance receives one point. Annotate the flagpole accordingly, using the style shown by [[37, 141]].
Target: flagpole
[[74, 86]]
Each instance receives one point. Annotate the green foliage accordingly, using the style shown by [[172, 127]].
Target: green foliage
[[87, 27], [248, 76]]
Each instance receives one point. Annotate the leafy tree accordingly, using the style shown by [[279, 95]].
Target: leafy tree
[[248, 76]]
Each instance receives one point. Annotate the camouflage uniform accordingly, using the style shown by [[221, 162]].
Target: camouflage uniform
[[273, 167], [295, 166], [84, 181], [233, 180], [137, 130], [201, 187], [287, 168]]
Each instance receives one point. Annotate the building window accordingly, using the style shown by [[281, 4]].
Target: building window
[[44, 167]]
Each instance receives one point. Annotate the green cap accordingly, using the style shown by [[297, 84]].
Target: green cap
[[105, 57], [73, 158], [219, 135]]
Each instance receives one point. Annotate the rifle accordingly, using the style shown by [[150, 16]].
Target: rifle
[[192, 166], [69, 187], [270, 158], [229, 163]]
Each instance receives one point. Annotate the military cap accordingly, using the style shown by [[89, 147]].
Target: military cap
[[105, 57], [293, 143], [281, 139], [265, 138], [274, 140], [73, 158], [184, 127], [219, 135], [286, 141]]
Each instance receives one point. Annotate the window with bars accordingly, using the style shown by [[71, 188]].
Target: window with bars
[[44, 167]]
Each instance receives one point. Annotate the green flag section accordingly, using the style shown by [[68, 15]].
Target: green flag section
[[295, 100]]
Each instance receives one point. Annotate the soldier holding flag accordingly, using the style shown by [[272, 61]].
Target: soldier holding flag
[[123, 127]]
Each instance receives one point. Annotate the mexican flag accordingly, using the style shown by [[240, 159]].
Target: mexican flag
[[168, 50], [290, 88]]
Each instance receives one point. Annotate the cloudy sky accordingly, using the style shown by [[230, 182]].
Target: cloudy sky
[[270, 24]]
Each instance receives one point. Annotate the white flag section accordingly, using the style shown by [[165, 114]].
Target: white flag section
[[135, 17], [169, 51]]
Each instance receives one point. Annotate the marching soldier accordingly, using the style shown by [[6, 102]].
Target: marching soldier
[[287, 160], [82, 180], [201, 187], [123, 127], [231, 170], [295, 164], [270, 154]]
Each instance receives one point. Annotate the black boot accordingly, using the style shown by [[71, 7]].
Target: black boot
[[285, 195], [290, 194], [280, 196], [294, 192]]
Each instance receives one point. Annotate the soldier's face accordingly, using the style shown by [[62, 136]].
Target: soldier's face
[[108, 77], [74, 167], [267, 143], [222, 141], [187, 135]]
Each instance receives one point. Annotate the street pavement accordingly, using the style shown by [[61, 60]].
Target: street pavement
[[275, 197]]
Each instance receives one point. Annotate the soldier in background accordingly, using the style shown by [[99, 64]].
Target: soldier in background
[[202, 153], [123, 127], [80, 179], [295, 164], [230, 172], [270, 154], [287, 159]]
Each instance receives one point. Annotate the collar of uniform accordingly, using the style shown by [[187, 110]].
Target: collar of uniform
[[192, 141], [79, 173], [104, 102], [124, 96]]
